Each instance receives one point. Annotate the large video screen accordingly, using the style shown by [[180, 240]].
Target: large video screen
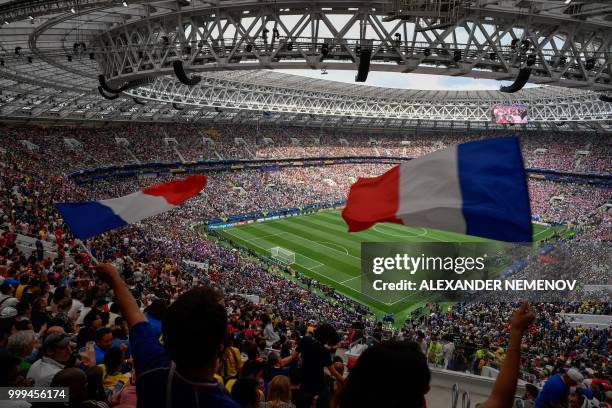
[[510, 114]]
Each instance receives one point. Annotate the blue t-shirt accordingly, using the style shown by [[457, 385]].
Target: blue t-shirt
[[118, 342], [156, 325], [99, 354], [152, 366], [555, 391]]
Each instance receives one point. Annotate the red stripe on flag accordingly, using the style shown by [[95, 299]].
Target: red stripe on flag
[[373, 200], [178, 191]]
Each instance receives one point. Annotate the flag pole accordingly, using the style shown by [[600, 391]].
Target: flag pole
[[82, 244]]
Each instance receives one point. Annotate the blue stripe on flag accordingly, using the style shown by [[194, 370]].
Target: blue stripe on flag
[[494, 189], [90, 218]]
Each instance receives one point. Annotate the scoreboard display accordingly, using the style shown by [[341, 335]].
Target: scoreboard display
[[510, 114]]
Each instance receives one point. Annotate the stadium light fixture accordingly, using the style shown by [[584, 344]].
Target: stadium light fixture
[[125, 3], [590, 63], [568, 1], [72, 10], [531, 59]]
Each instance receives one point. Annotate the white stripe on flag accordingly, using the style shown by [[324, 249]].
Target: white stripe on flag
[[430, 193], [137, 206]]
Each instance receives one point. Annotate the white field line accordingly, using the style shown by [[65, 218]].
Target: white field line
[[312, 269], [541, 232]]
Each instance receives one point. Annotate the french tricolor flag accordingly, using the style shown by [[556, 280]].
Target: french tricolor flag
[[90, 218], [476, 188]]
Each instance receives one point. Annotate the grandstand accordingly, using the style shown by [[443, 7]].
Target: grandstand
[[252, 280]]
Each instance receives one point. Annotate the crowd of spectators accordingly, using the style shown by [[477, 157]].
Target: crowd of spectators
[[246, 332], [470, 337], [162, 143]]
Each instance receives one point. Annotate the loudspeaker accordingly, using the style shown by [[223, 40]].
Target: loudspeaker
[[111, 96], [179, 71], [519, 82], [364, 65]]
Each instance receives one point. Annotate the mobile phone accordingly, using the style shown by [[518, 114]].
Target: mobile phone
[[118, 386]]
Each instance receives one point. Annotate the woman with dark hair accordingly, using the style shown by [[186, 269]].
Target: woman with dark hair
[[61, 292], [91, 323], [40, 316]]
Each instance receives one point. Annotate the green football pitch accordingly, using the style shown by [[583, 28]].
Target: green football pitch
[[326, 252]]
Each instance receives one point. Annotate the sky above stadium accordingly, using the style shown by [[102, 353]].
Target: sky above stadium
[[405, 81]]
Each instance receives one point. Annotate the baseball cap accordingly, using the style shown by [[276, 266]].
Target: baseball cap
[[8, 312], [10, 302], [56, 340], [575, 375]]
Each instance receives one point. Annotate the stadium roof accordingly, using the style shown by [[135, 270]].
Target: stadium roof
[[282, 80], [53, 51]]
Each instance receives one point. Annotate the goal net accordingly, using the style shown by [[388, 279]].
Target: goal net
[[283, 255]]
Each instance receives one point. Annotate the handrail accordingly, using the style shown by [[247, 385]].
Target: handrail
[[465, 400], [455, 395]]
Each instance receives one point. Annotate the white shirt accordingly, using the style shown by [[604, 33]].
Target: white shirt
[[270, 335], [84, 311], [448, 349], [43, 370], [75, 309]]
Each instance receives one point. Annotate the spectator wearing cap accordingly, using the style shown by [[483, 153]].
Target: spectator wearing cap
[[56, 352], [556, 390], [8, 313], [9, 302]]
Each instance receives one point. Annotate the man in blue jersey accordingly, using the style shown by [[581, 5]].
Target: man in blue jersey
[[181, 373], [556, 390]]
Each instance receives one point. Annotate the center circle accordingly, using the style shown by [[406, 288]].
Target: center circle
[[422, 234]]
